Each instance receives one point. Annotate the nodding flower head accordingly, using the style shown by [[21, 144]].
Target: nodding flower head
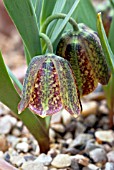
[[50, 86], [83, 50]]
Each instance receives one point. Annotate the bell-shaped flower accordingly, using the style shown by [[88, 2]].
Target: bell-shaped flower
[[50, 86], [83, 50]]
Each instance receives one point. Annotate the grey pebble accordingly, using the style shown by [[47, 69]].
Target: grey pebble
[[110, 156], [17, 160], [109, 166], [72, 151], [81, 139], [29, 157], [80, 128], [6, 124], [32, 165], [74, 165], [91, 146], [45, 159], [90, 120], [98, 155]]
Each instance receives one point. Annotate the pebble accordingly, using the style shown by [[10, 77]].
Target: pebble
[[3, 143], [6, 124], [56, 118], [4, 109], [71, 127], [90, 120], [52, 152], [104, 123], [52, 135], [45, 159], [66, 117], [58, 128], [7, 156], [80, 128], [74, 165], [103, 109], [1, 154], [22, 146], [6, 166], [80, 159], [110, 156], [81, 139], [93, 167], [29, 157], [109, 166], [61, 161], [32, 165], [105, 135], [17, 160], [91, 146], [13, 140], [98, 155], [71, 151], [107, 147], [68, 135], [16, 132], [89, 108]]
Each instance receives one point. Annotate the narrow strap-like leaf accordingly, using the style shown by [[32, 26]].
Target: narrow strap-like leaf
[[104, 41], [23, 15]]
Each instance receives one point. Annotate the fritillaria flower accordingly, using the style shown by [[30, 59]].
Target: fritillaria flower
[[50, 86], [83, 50]]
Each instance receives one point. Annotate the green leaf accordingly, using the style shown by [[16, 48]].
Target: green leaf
[[38, 8], [112, 3], [47, 9], [15, 80], [23, 15], [104, 41], [10, 98], [27, 55], [111, 35], [109, 89], [33, 2], [86, 14]]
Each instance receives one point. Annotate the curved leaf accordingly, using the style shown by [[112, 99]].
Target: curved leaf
[[10, 98], [23, 16]]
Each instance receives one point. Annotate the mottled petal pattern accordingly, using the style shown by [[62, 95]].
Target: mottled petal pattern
[[49, 87], [69, 90], [91, 43], [29, 82], [84, 52]]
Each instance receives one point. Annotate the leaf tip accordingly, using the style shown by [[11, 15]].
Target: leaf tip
[[99, 15]]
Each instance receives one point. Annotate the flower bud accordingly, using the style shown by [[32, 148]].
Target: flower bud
[[84, 52], [50, 86]]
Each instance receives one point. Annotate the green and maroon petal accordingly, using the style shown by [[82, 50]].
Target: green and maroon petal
[[46, 98], [91, 43], [73, 51], [84, 52], [29, 82], [69, 91]]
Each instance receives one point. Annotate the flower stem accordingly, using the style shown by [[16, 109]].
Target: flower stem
[[47, 41], [58, 16]]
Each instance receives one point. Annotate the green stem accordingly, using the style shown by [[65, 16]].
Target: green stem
[[47, 41], [58, 16]]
